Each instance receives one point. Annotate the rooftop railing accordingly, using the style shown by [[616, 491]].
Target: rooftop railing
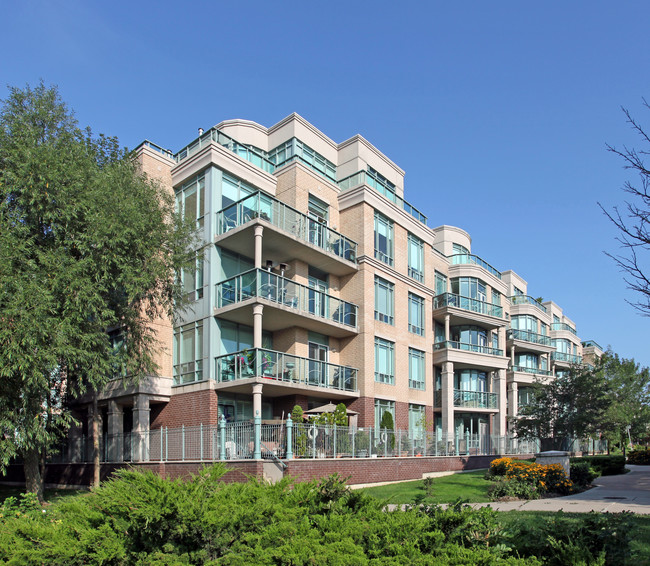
[[568, 358], [474, 305], [254, 156], [264, 284], [563, 326], [467, 347], [166, 152], [288, 219], [363, 178], [459, 259], [591, 343], [287, 368], [525, 369], [526, 300], [528, 336]]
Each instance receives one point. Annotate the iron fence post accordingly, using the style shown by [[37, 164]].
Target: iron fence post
[[289, 438], [222, 438]]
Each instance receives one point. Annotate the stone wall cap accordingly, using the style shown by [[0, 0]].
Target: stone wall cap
[[553, 453]]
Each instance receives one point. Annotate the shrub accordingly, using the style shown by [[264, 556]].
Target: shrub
[[530, 480], [604, 464], [639, 456], [499, 467], [582, 474], [516, 487]]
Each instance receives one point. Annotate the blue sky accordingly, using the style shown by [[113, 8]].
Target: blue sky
[[499, 112]]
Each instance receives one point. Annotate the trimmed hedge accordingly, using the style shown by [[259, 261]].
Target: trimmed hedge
[[639, 456], [605, 465]]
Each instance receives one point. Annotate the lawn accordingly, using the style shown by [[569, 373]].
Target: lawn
[[470, 486]]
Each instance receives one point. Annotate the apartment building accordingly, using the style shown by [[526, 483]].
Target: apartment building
[[317, 282]]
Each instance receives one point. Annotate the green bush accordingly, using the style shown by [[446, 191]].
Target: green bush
[[582, 474], [518, 488], [639, 456], [605, 465]]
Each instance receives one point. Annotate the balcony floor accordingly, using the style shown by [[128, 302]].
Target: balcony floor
[[276, 388]]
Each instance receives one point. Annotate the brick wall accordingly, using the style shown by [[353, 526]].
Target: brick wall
[[189, 409]]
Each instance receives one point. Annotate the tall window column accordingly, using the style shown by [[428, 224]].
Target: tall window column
[[115, 431], [499, 386], [141, 428]]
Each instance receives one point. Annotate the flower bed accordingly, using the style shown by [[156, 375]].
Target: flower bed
[[527, 480]]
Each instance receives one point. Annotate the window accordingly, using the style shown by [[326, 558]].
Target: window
[[468, 334], [190, 199], [416, 369], [383, 239], [441, 283], [416, 314], [524, 322], [294, 149], [524, 396], [495, 340], [526, 360], [318, 215], [384, 361], [469, 287], [192, 279], [416, 258], [382, 406], [470, 380], [188, 353], [518, 291], [496, 297], [118, 353], [416, 421], [384, 303], [458, 249]]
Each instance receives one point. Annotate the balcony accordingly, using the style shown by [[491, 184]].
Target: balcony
[[468, 348], [364, 178], [284, 368], [462, 259], [526, 300], [470, 399], [560, 326], [528, 336], [465, 303], [565, 358], [311, 240], [535, 371], [292, 304]]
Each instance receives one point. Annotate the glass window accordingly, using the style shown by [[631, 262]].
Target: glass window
[[518, 291], [458, 249], [524, 396], [382, 406], [384, 361], [188, 353], [496, 297], [384, 302], [383, 239], [440, 332], [441, 283], [232, 190], [192, 279], [416, 258], [416, 369], [524, 322], [416, 314], [470, 380], [416, 421], [527, 360], [190, 199], [469, 287]]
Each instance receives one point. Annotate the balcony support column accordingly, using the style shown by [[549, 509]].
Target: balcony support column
[[257, 420], [258, 246], [513, 401], [512, 356], [115, 431], [257, 325], [447, 331], [501, 332], [499, 387], [447, 394], [141, 430]]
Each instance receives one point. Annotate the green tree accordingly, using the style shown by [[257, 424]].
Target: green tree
[[629, 387], [88, 245], [571, 405]]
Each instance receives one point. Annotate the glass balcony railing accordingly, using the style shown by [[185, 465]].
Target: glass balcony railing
[[254, 156], [288, 219], [528, 336], [591, 343], [264, 284], [474, 305], [363, 178], [562, 326], [258, 362], [536, 371], [567, 358], [526, 300], [468, 348], [156, 147], [460, 259], [469, 399]]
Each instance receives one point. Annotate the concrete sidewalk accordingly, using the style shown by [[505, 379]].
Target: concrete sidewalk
[[612, 494]]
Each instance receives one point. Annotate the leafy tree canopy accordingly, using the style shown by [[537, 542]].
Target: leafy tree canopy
[[88, 244]]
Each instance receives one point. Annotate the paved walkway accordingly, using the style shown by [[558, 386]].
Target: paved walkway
[[626, 492]]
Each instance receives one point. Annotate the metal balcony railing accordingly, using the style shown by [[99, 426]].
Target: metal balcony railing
[[475, 399], [460, 259], [264, 284], [288, 219], [563, 326], [528, 336], [467, 347], [526, 300], [536, 371], [259, 362], [474, 305], [568, 358]]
